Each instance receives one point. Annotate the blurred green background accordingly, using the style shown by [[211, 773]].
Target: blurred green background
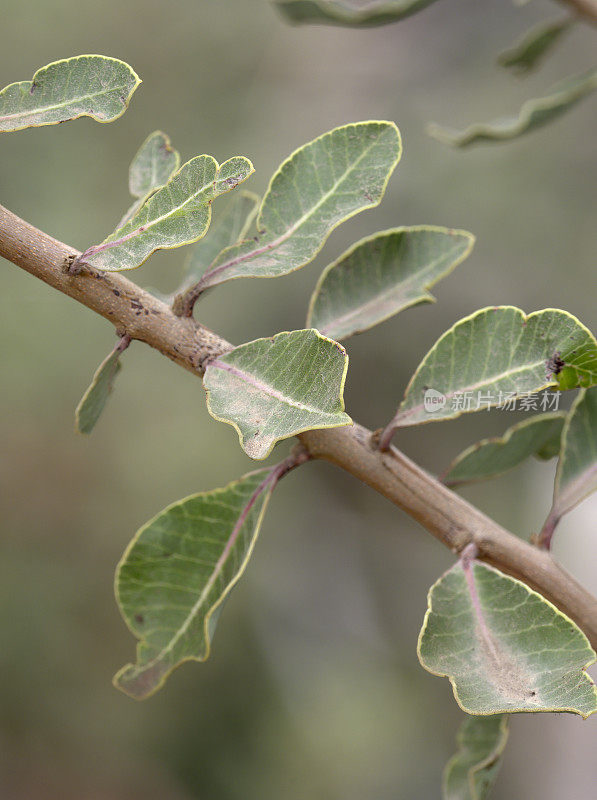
[[314, 689]]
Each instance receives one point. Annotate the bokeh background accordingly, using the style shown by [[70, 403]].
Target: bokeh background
[[314, 689]]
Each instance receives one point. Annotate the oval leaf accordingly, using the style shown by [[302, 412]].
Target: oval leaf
[[533, 114], [83, 86], [319, 186], [504, 647], [538, 436], [271, 389], [229, 227], [350, 12], [471, 773], [535, 44], [382, 275], [176, 573], [95, 398], [494, 354], [576, 477], [177, 214]]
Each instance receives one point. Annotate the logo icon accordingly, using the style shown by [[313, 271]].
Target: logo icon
[[433, 401]]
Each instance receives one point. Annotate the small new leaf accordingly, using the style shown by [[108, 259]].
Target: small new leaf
[[350, 12], [535, 44], [576, 477], [95, 398], [274, 388], [177, 214], [503, 646], [538, 436], [533, 114], [83, 86], [176, 573], [382, 275], [319, 186], [471, 773], [495, 353]]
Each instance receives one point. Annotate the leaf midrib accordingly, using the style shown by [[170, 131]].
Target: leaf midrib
[[41, 109]]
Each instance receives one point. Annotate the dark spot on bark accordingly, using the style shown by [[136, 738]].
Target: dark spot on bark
[[135, 305], [116, 292]]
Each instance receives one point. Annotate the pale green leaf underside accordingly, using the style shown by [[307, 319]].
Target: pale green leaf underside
[[319, 186], [350, 12], [382, 275], [177, 214], [229, 227], [471, 772], [576, 477], [153, 165], [533, 114], [497, 351], [82, 86], [538, 436], [176, 573], [526, 54], [274, 388], [96, 396], [515, 652]]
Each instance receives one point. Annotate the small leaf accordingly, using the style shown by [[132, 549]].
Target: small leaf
[[382, 275], [504, 647], [538, 436], [350, 12], [534, 45], [319, 186], [177, 214], [271, 389], [533, 114], [153, 165], [176, 573], [229, 227], [495, 353], [471, 773], [95, 398], [576, 477], [83, 86]]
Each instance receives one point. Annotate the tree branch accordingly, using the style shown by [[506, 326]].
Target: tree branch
[[454, 521]]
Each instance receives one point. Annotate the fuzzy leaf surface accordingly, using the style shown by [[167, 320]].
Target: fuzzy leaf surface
[[179, 213], [319, 186], [576, 477], [274, 388], [533, 114], [96, 396], [471, 773], [382, 275], [366, 13], [500, 351], [504, 647], [526, 54], [176, 573], [538, 436], [229, 227], [83, 86]]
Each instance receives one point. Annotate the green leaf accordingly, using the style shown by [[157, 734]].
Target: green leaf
[[274, 388], [471, 773], [534, 45], [576, 477], [83, 86], [95, 398], [319, 186], [350, 12], [533, 114], [153, 165], [229, 227], [538, 436], [382, 275], [177, 214], [176, 573], [496, 353], [504, 647]]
